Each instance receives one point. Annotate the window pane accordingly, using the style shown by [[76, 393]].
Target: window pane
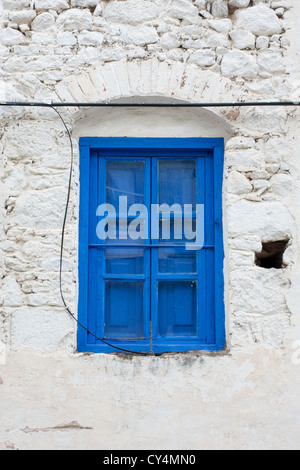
[[176, 260], [124, 315], [177, 182], [180, 231], [125, 178], [177, 308], [121, 261]]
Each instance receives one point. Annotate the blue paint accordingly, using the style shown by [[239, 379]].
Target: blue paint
[[135, 294]]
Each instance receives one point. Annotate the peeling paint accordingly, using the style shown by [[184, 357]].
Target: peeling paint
[[60, 427]]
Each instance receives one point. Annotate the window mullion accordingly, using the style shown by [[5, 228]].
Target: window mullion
[[154, 251]]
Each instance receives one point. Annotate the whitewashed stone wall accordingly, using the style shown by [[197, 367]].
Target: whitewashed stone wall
[[195, 51]]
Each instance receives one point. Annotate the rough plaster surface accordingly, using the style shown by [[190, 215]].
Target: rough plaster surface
[[185, 402], [88, 50]]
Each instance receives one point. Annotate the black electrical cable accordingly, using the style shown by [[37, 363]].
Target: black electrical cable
[[62, 249], [241, 104]]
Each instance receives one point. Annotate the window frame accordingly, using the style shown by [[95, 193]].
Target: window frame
[[156, 147]]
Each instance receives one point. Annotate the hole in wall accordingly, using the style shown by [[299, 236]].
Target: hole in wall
[[271, 255]]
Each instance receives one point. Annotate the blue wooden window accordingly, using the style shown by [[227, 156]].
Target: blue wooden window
[[151, 293]]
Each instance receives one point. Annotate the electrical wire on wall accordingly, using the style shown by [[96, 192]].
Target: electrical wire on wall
[[54, 106]]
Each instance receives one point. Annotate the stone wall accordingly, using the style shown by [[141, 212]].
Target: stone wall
[[195, 51]]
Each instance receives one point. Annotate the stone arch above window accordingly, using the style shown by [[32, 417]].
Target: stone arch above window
[[151, 80]]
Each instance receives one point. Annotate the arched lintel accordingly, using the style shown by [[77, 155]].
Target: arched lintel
[[150, 122], [145, 81]]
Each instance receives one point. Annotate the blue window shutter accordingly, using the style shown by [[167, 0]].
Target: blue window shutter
[[143, 294]]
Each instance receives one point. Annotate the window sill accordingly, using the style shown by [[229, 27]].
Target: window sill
[[158, 349]]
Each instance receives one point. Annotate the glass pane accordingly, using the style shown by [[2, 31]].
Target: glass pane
[[124, 315], [122, 261], [177, 182], [176, 260], [125, 178], [177, 308]]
